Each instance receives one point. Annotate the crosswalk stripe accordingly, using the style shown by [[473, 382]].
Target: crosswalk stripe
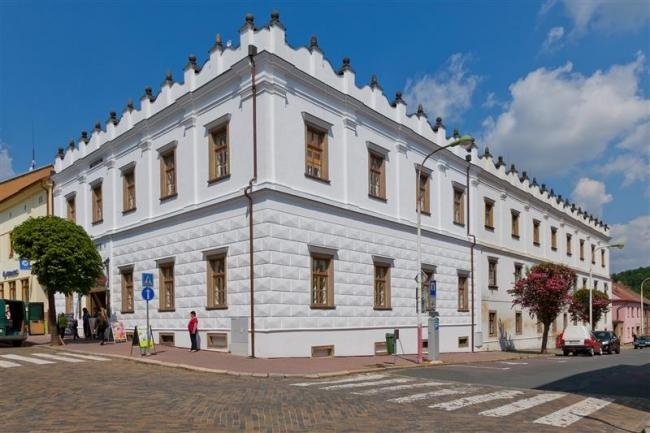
[[372, 383], [520, 405], [344, 380], [398, 388], [575, 412], [425, 395], [26, 359], [58, 358], [475, 399], [8, 364], [90, 357]]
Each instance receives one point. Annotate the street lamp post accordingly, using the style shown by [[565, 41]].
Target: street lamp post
[[467, 142], [591, 282], [642, 327]]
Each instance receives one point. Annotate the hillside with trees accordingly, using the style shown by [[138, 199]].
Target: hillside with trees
[[633, 278]]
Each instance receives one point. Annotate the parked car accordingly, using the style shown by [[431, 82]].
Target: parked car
[[609, 341], [13, 323], [642, 341], [579, 339]]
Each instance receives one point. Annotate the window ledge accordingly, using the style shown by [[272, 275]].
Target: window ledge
[[459, 224], [379, 198], [128, 211], [97, 222], [493, 287], [382, 308], [168, 197], [322, 307], [166, 310], [217, 307], [568, 254], [489, 228], [553, 248], [536, 243], [515, 237], [463, 310], [127, 311], [214, 180], [423, 212], [319, 179]]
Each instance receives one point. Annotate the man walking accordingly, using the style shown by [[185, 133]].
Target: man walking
[[193, 327]]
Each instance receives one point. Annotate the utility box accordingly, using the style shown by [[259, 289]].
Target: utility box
[[390, 343], [36, 318], [239, 336]]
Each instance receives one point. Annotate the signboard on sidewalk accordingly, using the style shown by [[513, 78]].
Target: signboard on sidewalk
[[144, 337], [119, 333]]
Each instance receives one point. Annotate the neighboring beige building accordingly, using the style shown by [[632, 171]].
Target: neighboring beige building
[[23, 196]]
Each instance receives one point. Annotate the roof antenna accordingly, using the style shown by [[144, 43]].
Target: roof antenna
[[33, 165]]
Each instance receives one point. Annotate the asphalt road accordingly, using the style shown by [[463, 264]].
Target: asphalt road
[[54, 392]]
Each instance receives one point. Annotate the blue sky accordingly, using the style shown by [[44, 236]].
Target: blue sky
[[559, 87]]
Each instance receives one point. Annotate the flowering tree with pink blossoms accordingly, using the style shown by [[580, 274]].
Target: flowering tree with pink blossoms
[[579, 307], [544, 292]]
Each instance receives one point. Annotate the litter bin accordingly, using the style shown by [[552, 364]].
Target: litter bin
[[390, 343]]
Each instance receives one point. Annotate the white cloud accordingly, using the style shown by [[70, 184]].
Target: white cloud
[[448, 92], [553, 39], [636, 236], [557, 118], [607, 15], [633, 168], [638, 140], [590, 195], [6, 170]]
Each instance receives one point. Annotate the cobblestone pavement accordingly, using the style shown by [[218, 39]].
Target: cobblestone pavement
[[42, 393]]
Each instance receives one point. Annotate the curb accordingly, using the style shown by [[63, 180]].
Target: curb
[[281, 375]]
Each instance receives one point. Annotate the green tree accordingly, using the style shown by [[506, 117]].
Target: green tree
[[544, 292], [62, 255], [579, 306], [633, 277]]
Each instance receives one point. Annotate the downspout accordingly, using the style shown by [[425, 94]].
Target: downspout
[[248, 191], [468, 158]]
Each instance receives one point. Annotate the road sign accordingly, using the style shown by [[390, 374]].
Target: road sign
[[432, 288], [147, 293], [24, 265], [147, 280]]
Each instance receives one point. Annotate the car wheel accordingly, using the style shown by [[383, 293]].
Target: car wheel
[[618, 351], [609, 351], [565, 352], [591, 351], [17, 343]]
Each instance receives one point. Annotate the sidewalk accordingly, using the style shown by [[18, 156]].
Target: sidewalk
[[218, 362]]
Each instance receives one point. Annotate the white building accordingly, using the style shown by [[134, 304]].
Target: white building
[[162, 190]]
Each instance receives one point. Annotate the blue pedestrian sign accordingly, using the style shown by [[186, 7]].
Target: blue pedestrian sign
[[432, 289], [24, 264], [147, 293], [147, 280]]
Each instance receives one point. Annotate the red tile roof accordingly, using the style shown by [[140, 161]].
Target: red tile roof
[[18, 183], [621, 292]]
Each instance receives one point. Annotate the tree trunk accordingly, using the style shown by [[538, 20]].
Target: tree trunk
[[51, 316], [545, 337]]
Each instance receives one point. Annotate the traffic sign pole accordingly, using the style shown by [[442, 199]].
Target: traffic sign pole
[[147, 295]]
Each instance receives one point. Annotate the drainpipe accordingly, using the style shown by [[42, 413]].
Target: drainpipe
[[468, 158], [248, 191]]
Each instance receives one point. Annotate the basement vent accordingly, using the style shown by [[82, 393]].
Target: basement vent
[[322, 351], [425, 346], [166, 339], [463, 342], [129, 336], [380, 348], [218, 340]]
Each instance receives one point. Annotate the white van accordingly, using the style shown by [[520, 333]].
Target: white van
[[579, 339]]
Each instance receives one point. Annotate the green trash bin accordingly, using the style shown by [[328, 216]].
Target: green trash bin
[[390, 343]]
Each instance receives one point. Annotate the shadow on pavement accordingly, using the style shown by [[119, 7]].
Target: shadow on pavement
[[627, 384]]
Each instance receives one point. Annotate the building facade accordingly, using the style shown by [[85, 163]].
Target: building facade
[[626, 313], [330, 168], [28, 195]]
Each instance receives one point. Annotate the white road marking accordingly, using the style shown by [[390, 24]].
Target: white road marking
[[520, 405], [398, 387], [575, 412], [482, 366], [91, 357], [344, 380], [425, 395], [514, 363], [372, 383], [8, 364], [58, 358], [475, 399], [27, 359]]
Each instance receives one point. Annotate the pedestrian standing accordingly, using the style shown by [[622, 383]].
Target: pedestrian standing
[[193, 328], [61, 324], [75, 329], [86, 323], [103, 325]]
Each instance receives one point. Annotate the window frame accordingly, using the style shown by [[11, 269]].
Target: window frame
[[385, 279], [423, 193], [381, 175], [492, 323], [126, 289], [593, 254], [215, 149], [212, 303], [97, 203], [493, 283], [165, 192], [329, 275], [582, 250], [71, 208], [554, 238], [12, 289], [514, 224], [458, 205], [518, 272], [24, 289], [569, 245], [536, 228], [463, 298], [602, 258], [163, 280], [519, 323], [324, 152], [128, 174], [488, 214]]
